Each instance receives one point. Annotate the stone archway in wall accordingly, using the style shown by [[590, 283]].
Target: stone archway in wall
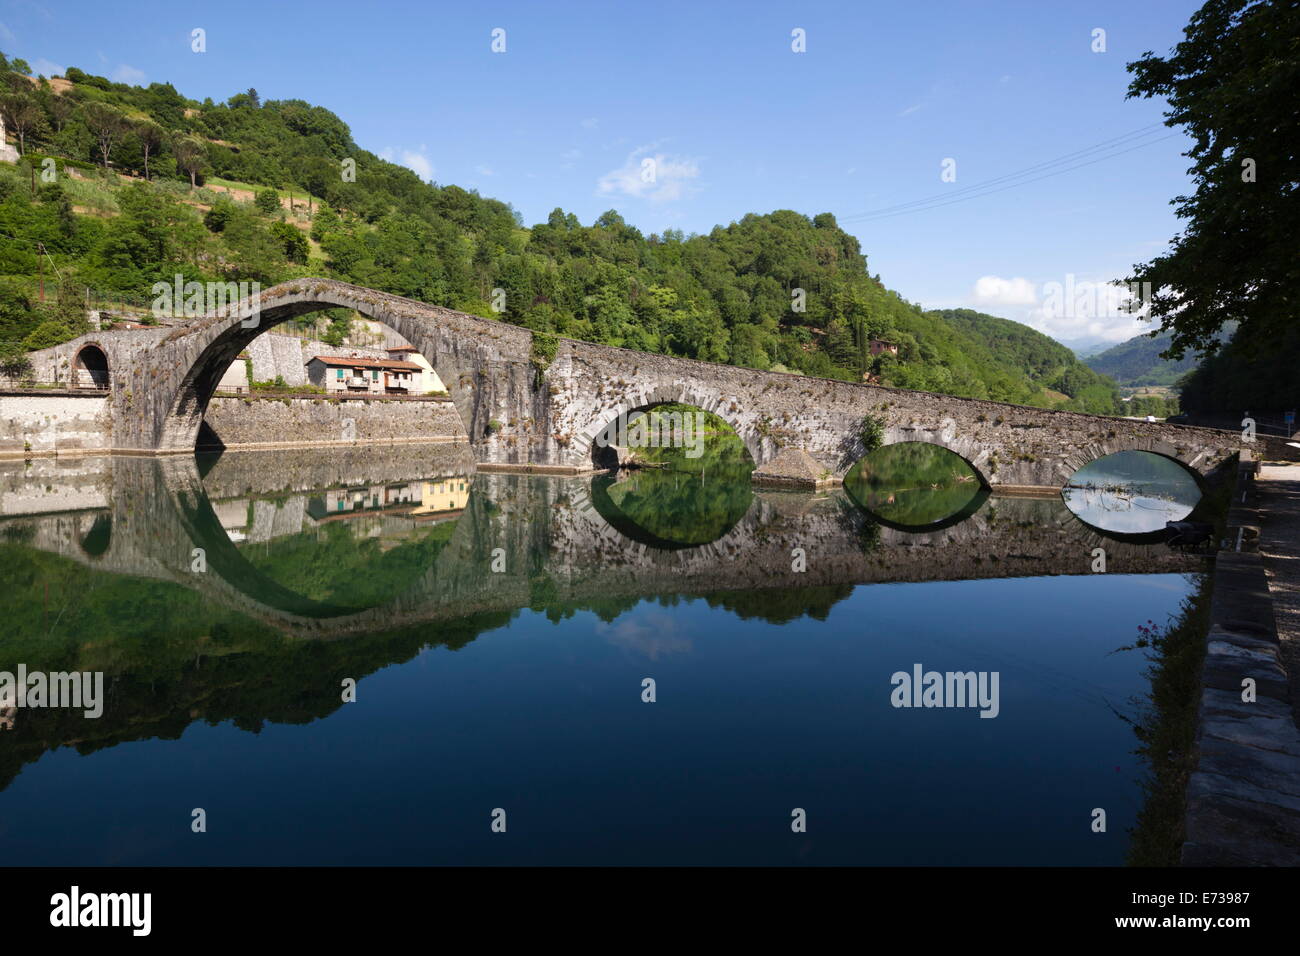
[[1197, 465], [90, 367], [960, 452], [213, 343], [947, 435], [588, 446]]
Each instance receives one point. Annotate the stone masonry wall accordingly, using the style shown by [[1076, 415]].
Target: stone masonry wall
[[48, 424], [319, 421]]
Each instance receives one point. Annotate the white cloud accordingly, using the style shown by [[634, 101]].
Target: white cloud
[[910, 109], [994, 290], [417, 162], [44, 67], [128, 74], [654, 637], [653, 176], [1087, 308], [1071, 328]]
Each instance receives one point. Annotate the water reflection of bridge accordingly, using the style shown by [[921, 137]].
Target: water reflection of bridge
[[145, 517]]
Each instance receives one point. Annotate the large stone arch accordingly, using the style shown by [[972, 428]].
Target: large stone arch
[[484, 364], [645, 397]]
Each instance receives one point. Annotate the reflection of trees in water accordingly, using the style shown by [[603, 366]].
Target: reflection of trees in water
[[673, 509], [171, 658], [913, 483], [782, 605], [334, 564]]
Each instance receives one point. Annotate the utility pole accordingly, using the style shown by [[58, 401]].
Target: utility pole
[[40, 267]]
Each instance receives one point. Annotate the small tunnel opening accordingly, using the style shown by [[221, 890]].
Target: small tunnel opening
[[90, 368]]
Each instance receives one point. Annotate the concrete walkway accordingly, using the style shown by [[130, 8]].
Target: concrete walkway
[[1243, 798], [1279, 544]]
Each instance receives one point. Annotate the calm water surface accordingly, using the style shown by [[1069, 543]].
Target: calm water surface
[[500, 629]]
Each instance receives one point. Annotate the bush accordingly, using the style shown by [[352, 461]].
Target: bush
[[872, 432], [268, 201], [218, 217], [48, 333]]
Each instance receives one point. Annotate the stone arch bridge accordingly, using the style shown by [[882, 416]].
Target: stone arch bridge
[[524, 409]]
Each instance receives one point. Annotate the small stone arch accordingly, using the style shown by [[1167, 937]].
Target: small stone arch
[[90, 367], [947, 436], [587, 446], [1071, 463]]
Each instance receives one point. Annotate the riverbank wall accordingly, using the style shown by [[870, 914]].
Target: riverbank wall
[[1243, 796]]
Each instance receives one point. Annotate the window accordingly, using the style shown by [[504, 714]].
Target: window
[[374, 376], [338, 373]]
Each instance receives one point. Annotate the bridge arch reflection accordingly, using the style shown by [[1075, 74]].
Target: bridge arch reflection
[[916, 485]]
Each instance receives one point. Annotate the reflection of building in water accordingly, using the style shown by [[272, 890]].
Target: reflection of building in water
[[373, 511], [435, 498], [233, 516], [442, 497], [343, 501]]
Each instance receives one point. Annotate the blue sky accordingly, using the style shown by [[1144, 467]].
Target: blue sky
[[736, 120]]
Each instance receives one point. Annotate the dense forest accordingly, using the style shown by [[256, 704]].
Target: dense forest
[[1138, 362], [122, 186], [1253, 373]]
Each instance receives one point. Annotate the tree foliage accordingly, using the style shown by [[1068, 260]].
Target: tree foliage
[[1230, 85], [779, 290]]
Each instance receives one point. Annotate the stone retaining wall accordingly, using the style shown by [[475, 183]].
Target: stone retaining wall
[[259, 421], [44, 425]]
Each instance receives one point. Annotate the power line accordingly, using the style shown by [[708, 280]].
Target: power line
[[982, 189], [1065, 158]]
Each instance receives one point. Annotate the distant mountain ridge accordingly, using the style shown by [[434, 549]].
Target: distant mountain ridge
[[1138, 361]]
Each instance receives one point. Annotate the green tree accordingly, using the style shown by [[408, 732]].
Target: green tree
[[1227, 85], [22, 115], [151, 137], [107, 124], [219, 215], [191, 156], [268, 201], [292, 241]]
